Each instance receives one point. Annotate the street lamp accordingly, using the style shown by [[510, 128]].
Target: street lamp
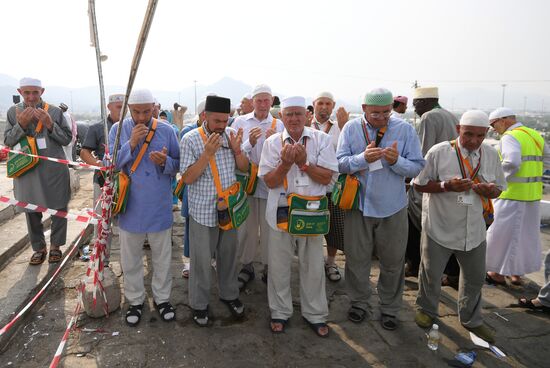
[[195, 96], [503, 89]]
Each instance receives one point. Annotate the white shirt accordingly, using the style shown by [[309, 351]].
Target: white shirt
[[449, 224], [334, 134], [247, 122], [320, 152]]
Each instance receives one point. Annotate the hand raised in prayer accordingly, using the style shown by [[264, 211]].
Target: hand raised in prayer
[[391, 154], [269, 133], [288, 154], [488, 190], [373, 153], [235, 141], [24, 117], [301, 155], [458, 185], [44, 117], [213, 143], [342, 116], [254, 135], [139, 132], [159, 158]]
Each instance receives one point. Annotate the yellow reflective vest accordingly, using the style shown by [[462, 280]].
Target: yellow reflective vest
[[526, 183]]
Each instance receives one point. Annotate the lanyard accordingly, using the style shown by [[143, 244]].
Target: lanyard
[[285, 181], [462, 162], [318, 127], [379, 134]]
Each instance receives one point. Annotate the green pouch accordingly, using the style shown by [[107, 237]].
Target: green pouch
[[248, 180], [178, 191], [308, 215], [18, 164], [345, 193], [238, 208]]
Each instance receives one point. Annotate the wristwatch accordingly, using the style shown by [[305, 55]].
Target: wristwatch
[[442, 185], [304, 166]]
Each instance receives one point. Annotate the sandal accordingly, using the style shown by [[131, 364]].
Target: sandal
[[332, 272], [235, 307], [200, 317], [185, 271], [133, 315], [38, 257], [316, 327], [55, 256], [528, 303], [245, 276], [492, 281], [516, 280], [356, 314], [389, 322], [278, 321], [166, 311]]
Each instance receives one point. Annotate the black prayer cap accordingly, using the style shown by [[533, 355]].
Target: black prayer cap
[[217, 104]]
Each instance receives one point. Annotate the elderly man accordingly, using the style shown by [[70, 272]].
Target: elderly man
[[381, 151], [323, 105], [299, 161], [458, 178], [93, 150], [436, 125], [513, 240], [257, 126], [399, 106], [246, 104], [149, 153], [47, 184], [210, 156]]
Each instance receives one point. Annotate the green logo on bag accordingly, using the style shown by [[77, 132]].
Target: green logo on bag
[[300, 224]]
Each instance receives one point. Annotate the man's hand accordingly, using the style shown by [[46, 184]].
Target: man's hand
[[44, 117], [288, 154], [235, 141], [254, 135], [159, 158], [458, 185], [138, 133], [301, 155], [342, 116], [373, 153], [269, 133], [213, 143], [24, 117], [485, 189], [391, 154]]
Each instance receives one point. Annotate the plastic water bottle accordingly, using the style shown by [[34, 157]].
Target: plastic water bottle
[[433, 338]]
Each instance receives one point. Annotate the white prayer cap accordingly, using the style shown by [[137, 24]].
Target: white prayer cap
[[247, 96], [141, 96], [117, 97], [475, 118], [157, 103], [30, 82], [324, 94], [201, 106], [261, 88], [294, 101], [426, 92], [501, 112]]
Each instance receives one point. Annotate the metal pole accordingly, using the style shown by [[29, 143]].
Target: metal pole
[[524, 106], [195, 96], [503, 90]]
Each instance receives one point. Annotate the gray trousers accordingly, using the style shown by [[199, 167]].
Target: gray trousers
[[544, 293], [389, 236], [472, 277], [97, 192], [58, 235], [313, 297], [131, 259], [249, 239], [204, 243]]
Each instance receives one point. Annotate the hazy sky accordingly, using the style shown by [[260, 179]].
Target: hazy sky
[[297, 47]]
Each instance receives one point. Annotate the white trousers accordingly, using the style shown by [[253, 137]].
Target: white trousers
[[248, 235], [312, 276], [131, 258]]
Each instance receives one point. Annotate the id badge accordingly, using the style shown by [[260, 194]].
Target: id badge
[[301, 180], [41, 143], [465, 199], [376, 165]]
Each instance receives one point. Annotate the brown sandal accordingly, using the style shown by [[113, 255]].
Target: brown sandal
[[55, 256], [38, 257]]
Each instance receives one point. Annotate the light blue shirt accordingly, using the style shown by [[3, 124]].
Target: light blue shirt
[[382, 191], [149, 206]]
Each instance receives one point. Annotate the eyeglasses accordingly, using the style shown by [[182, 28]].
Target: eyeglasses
[[378, 115]]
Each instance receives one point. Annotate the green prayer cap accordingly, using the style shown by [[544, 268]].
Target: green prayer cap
[[378, 97]]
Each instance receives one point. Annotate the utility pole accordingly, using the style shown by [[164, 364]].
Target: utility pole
[[524, 106], [503, 89], [195, 96], [415, 86]]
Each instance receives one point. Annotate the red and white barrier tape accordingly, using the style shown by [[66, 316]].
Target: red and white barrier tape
[[33, 207], [43, 289], [60, 160]]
